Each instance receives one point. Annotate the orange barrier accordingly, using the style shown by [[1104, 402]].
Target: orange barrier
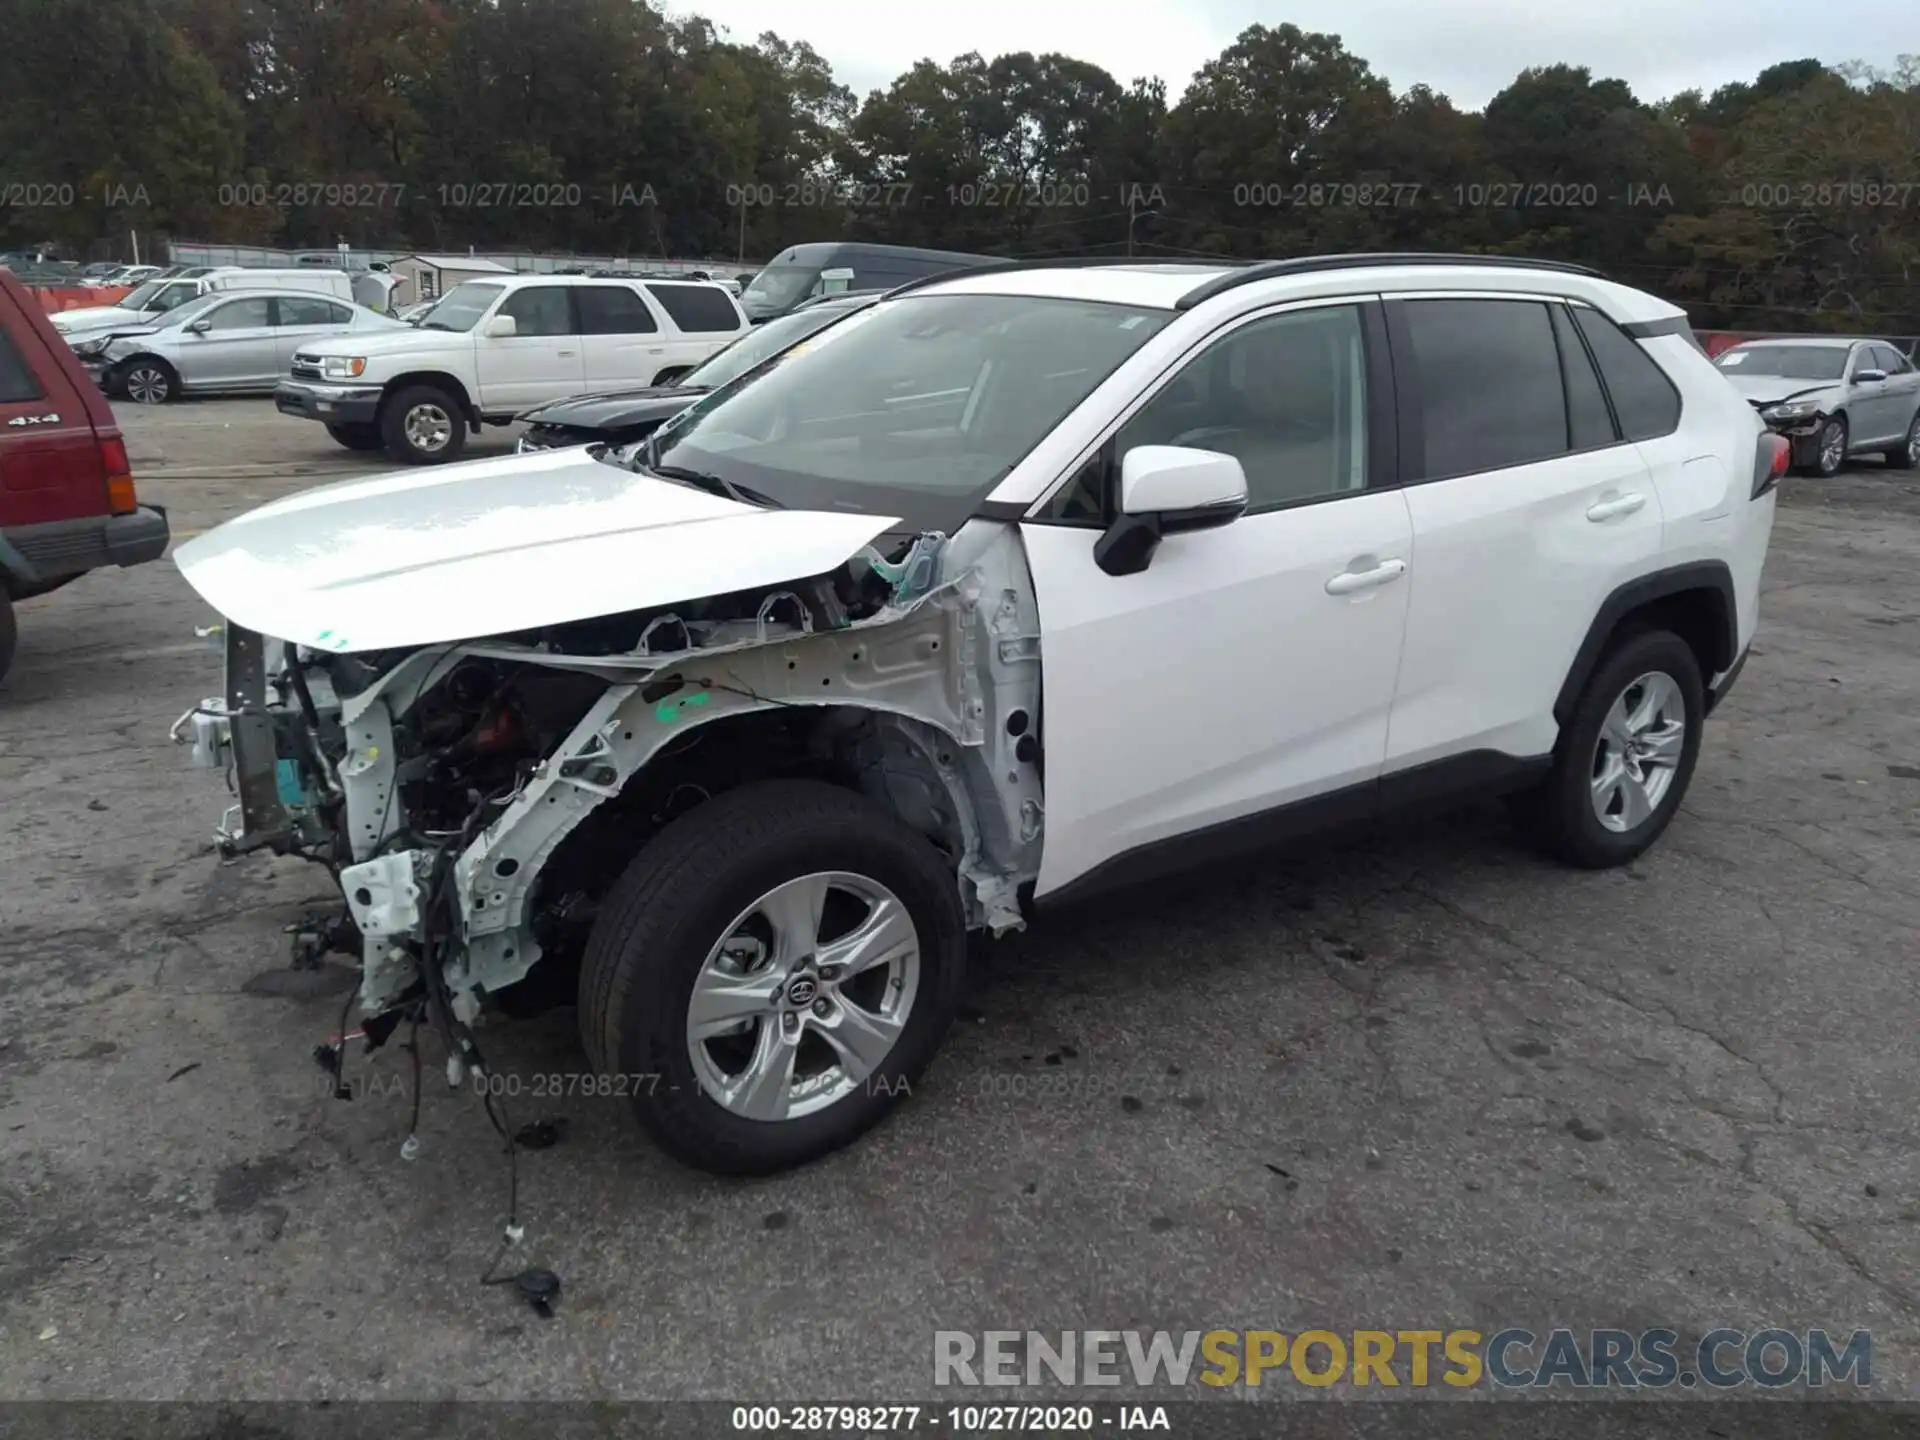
[[52, 300]]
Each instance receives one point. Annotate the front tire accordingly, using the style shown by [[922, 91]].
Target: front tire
[[147, 380], [1624, 761], [775, 970], [423, 425], [1906, 454], [357, 437]]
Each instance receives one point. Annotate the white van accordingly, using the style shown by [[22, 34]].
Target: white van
[[148, 302]]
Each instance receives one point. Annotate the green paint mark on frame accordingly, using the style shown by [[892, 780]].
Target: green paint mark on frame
[[668, 711]]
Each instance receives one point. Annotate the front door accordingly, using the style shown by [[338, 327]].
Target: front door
[[236, 351], [1247, 668], [540, 361]]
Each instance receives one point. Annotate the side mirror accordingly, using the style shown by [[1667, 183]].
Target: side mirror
[[836, 281], [502, 327], [201, 327], [1868, 377], [1168, 490]]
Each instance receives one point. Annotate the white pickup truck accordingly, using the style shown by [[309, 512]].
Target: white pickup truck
[[492, 348]]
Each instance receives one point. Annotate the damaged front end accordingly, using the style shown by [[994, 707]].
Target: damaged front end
[[476, 800]]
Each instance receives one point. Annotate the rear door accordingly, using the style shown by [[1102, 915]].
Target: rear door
[[620, 335], [235, 351], [300, 318], [49, 458], [1529, 507], [540, 361], [1903, 389]]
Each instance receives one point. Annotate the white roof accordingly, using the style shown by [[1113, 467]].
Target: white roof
[[1161, 286], [458, 262], [1835, 342]]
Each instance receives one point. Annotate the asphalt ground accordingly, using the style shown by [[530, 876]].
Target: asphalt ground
[[1422, 1079]]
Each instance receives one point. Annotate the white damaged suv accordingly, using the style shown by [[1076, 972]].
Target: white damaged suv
[[1015, 585]]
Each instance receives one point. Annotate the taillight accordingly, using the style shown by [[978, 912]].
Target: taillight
[[1771, 460], [121, 499]]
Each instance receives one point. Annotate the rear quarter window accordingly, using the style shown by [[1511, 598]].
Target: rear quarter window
[[698, 309], [17, 382], [1643, 398]]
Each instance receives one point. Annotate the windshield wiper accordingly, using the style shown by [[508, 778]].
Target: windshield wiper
[[712, 484]]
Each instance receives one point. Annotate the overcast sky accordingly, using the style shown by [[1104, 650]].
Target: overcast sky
[[1468, 51]]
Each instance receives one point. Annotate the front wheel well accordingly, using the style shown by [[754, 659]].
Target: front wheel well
[[439, 380], [847, 746]]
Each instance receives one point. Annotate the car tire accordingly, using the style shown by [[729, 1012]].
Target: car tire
[[357, 437], [1830, 449], [1906, 454], [148, 380], [1600, 805], [410, 418], [9, 632], [694, 888]]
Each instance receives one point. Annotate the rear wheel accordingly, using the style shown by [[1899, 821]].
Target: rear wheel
[[670, 376], [9, 632], [356, 437], [774, 970], [1625, 759], [423, 425], [1906, 454], [148, 380]]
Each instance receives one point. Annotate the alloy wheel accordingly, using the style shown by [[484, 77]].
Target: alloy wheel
[[1913, 443], [1833, 448], [429, 429], [804, 997], [147, 385], [1638, 751]]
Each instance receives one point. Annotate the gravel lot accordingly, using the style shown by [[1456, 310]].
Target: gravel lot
[[1423, 1080]]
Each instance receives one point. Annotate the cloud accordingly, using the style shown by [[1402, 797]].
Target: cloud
[[1469, 51]]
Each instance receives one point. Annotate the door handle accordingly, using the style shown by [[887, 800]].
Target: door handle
[[566, 354], [657, 350], [1619, 505], [1349, 581]]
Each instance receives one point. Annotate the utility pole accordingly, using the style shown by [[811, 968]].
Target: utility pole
[[741, 258]]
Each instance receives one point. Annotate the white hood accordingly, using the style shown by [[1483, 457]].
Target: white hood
[[97, 317], [399, 340], [464, 551]]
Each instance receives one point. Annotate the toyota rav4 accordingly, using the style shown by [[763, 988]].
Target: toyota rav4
[[1017, 584]]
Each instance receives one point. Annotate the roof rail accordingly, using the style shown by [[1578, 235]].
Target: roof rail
[[1055, 262], [1311, 264]]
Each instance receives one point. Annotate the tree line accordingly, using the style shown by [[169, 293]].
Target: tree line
[[611, 127]]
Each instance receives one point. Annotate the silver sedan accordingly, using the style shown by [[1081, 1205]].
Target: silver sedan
[[228, 342]]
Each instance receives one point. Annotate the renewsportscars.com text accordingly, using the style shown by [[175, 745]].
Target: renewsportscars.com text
[[1509, 1359]]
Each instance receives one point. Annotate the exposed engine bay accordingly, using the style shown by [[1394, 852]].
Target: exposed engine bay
[[476, 800]]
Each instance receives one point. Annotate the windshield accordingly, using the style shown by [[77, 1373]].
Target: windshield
[[1790, 362], [181, 314], [461, 307], [758, 344], [140, 296], [779, 288], [907, 403]]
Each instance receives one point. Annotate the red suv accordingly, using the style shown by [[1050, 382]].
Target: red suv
[[67, 503]]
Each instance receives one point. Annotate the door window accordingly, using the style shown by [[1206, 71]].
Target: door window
[[539, 310], [1589, 421], [238, 315], [1643, 397], [1490, 384], [613, 310], [697, 309], [301, 311], [17, 384], [1286, 396], [1883, 357]]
